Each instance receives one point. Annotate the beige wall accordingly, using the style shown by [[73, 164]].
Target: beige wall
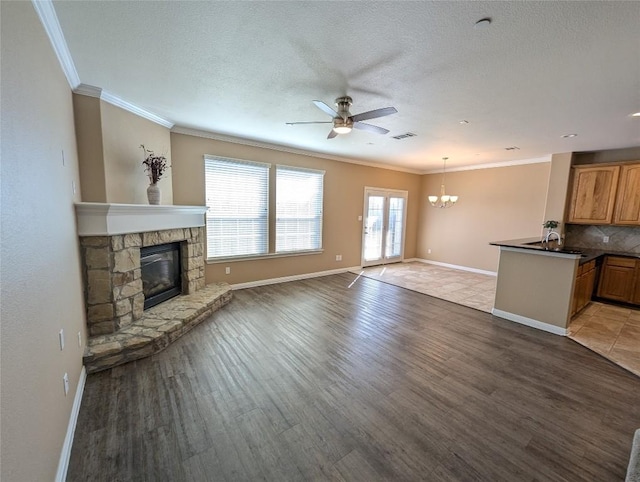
[[555, 207], [88, 124], [495, 204], [109, 140], [41, 289], [536, 286], [343, 202], [608, 155], [122, 134]]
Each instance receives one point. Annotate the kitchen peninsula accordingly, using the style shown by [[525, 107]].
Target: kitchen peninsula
[[535, 285]]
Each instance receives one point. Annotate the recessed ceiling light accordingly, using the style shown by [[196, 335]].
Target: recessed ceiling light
[[635, 114], [570, 135], [483, 23], [464, 122]]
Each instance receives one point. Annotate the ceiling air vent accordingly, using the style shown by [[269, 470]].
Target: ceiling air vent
[[404, 136], [512, 148]]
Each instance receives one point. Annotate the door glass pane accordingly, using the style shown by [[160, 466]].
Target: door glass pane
[[373, 228], [394, 234]]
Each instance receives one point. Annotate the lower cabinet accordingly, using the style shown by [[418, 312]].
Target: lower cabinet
[[618, 279], [585, 281]]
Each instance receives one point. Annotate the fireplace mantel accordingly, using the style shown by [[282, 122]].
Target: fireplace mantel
[[105, 219]]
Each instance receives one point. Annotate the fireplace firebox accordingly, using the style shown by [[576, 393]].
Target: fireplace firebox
[[161, 273]]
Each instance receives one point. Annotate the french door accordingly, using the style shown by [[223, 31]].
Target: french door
[[383, 226]]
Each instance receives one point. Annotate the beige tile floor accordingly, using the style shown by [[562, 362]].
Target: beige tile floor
[[463, 287], [611, 331]]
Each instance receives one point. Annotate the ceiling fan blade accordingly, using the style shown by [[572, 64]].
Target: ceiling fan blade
[[332, 134], [372, 114], [309, 122], [325, 108], [371, 128]]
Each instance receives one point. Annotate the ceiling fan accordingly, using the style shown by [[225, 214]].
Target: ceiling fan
[[343, 121]]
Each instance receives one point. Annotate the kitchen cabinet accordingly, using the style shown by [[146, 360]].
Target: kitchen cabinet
[[583, 288], [627, 210], [618, 279], [593, 194]]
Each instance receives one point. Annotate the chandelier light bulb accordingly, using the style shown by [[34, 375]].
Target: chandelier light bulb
[[444, 200]]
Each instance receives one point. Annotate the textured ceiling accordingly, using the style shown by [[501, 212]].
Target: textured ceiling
[[244, 69]]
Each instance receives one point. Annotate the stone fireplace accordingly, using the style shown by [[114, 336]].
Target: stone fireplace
[[112, 237], [113, 276]]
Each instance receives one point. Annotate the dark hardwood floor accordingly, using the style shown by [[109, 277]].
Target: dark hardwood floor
[[313, 380]]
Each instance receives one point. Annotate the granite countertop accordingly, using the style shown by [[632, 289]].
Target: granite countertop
[[587, 254]]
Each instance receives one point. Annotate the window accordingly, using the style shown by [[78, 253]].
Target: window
[[298, 209], [237, 207]]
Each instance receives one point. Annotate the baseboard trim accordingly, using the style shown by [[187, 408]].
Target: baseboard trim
[[452, 266], [65, 455], [523, 320], [296, 277]]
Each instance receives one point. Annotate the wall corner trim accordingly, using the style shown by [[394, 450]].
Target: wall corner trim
[[523, 320], [452, 266], [296, 277], [49, 19], [65, 455]]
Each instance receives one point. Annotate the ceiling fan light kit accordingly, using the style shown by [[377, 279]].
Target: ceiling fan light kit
[[444, 200], [344, 122]]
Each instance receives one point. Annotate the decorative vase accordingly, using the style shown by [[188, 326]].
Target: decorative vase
[[153, 194]]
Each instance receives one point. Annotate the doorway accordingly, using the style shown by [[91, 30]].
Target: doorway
[[385, 214]]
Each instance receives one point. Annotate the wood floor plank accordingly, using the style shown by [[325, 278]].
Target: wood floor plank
[[323, 379]]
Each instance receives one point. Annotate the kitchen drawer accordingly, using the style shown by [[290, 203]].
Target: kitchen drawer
[[620, 261]]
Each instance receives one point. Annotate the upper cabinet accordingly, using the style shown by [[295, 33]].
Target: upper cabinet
[[605, 194], [627, 210], [593, 195]]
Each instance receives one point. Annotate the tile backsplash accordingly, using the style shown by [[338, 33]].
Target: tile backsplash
[[621, 238]]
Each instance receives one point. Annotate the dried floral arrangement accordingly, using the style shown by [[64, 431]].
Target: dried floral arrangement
[[154, 165]]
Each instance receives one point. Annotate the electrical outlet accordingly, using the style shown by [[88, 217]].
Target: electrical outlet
[[338, 257], [61, 337], [80, 339], [429, 251], [227, 270], [63, 157], [73, 187], [359, 218], [605, 239], [65, 381]]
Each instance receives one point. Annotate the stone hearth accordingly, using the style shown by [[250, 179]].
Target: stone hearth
[[111, 236], [156, 329]]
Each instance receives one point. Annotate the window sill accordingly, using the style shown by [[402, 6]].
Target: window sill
[[263, 256]]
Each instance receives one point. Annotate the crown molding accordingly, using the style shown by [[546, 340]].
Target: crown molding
[[491, 165], [49, 19], [134, 109], [88, 90], [291, 150], [92, 91]]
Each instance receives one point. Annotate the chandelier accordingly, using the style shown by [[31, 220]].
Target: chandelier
[[444, 200]]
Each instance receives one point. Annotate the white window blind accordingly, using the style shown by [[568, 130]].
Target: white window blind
[[298, 209], [238, 207]]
